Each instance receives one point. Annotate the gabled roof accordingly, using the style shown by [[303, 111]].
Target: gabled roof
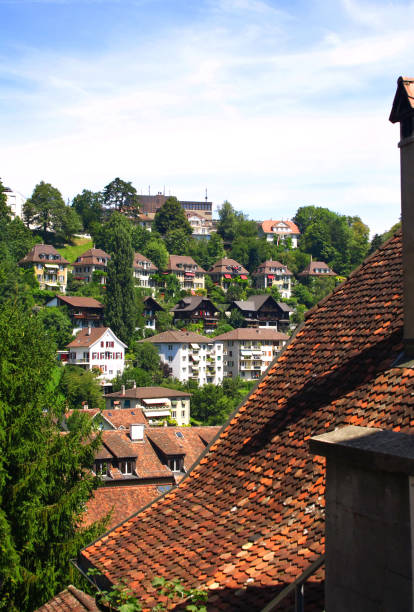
[[148, 393], [139, 258], [313, 267], [191, 302], [91, 256], [227, 266], [267, 266], [403, 105], [77, 301], [150, 302], [267, 227], [70, 600], [175, 263], [252, 333], [89, 335], [40, 254], [255, 302], [173, 336], [251, 513]]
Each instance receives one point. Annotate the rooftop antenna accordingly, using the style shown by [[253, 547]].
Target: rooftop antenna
[[206, 195], [164, 189], [149, 189]]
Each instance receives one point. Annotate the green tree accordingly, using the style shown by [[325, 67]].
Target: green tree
[[120, 310], [140, 238], [156, 251], [176, 241], [147, 357], [5, 211], [57, 325], [121, 196], [79, 385], [46, 211], [89, 207], [226, 227], [171, 216], [45, 478]]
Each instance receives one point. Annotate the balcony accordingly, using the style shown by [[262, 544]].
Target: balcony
[[79, 360]]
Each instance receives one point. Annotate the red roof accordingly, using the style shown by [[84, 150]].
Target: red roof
[[249, 519], [314, 267], [79, 301], [269, 266], [267, 227], [40, 253], [88, 336], [177, 263], [227, 266], [92, 257], [70, 600]]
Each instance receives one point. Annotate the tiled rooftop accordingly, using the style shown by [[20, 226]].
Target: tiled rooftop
[[249, 519], [70, 600]]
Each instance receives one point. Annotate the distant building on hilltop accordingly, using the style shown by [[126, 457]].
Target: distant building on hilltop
[[15, 201], [151, 203], [279, 230]]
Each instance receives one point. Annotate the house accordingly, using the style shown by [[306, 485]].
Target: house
[[277, 231], [201, 226], [97, 348], [156, 403], [91, 265], [50, 268], [143, 269], [190, 356], [151, 203], [225, 270], [83, 311], [151, 307], [274, 274], [196, 309], [263, 311], [146, 220], [316, 269], [260, 527], [190, 275], [15, 201], [248, 352]]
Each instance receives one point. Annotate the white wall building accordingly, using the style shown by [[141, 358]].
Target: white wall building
[[248, 352], [98, 348], [15, 200], [190, 356]]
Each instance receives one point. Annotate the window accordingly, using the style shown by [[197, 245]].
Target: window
[[170, 348], [173, 414], [125, 467], [170, 358], [101, 468], [127, 403], [110, 344], [176, 464], [102, 343], [183, 414]]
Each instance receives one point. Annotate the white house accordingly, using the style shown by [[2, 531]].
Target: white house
[[98, 348], [143, 268], [248, 351], [190, 356], [16, 201], [279, 230]]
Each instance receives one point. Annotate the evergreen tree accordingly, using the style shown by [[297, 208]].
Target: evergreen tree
[[45, 478], [171, 216], [120, 310], [121, 196]]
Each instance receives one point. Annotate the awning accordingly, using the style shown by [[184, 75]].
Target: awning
[[157, 413], [189, 274], [158, 400], [270, 276], [51, 265], [246, 351], [227, 276], [243, 276], [195, 346], [196, 357]]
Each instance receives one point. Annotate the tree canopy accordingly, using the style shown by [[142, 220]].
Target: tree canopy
[[89, 207], [171, 216], [121, 196]]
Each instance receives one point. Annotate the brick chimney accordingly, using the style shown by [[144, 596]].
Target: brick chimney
[[403, 113]]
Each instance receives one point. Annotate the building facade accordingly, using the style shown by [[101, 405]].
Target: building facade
[[317, 269], [50, 268], [143, 269], [263, 311], [190, 275], [93, 260], [196, 309], [277, 231], [83, 312], [274, 274], [225, 270]]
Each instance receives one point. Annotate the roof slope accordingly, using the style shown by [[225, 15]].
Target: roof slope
[[225, 264], [148, 393], [252, 333], [41, 252], [268, 225], [173, 335], [79, 301], [251, 513], [71, 599]]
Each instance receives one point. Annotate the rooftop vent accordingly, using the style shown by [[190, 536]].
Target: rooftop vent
[[137, 433]]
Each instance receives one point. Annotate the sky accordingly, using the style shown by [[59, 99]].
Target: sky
[[271, 105]]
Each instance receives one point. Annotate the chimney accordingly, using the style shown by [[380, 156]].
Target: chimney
[[134, 385], [403, 113], [88, 333], [123, 389], [137, 433]]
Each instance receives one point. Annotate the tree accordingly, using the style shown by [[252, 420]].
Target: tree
[[171, 216], [5, 211], [46, 211], [140, 238], [156, 251], [45, 478], [121, 196], [176, 241], [79, 385], [120, 310], [57, 325], [226, 226], [147, 357], [89, 207]]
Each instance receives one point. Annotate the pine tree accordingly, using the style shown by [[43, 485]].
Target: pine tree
[[120, 310], [45, 477]]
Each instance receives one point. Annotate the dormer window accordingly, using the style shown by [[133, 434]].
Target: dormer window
[[176, 464], [125, 467], [101, 468]]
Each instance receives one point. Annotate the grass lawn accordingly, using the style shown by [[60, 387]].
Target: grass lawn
[[79, 246]]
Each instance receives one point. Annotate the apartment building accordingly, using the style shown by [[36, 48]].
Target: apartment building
[[92, 260], [50, 268], [190, 356], [190, 275], [143, 269], [274, 274], [248, 352]]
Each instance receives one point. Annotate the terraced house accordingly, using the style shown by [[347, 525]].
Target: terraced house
[[49, 267]]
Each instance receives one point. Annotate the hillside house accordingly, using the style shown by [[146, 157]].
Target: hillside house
[[274, 274], [90, 262], [190, 275], [151, 307], [49, 267], [225, 270], [316, 269], [196, 309], [263, 311], [278, 231], [143, 269], [83, 311]]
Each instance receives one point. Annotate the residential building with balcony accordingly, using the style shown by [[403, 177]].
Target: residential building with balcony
[[143, 269], [248, 352], [190, 275], [317, 269], [263, 311], [274, 274], [151, 307], [196, 309], [92, 260], [97, 348], [277, 231], [156, 403], [190, 356], [83, 312], [201, 226], [49, 267], [225, 270]]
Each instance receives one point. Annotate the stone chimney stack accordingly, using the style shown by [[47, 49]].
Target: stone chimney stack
[[403, 113]]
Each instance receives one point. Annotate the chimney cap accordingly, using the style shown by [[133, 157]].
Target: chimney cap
[[403, 104]]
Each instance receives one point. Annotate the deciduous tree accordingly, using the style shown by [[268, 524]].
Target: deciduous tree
[[171, 216], [121, 196]]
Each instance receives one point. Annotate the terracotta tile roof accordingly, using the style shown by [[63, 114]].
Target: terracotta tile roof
[[314, 266], [249, 518], [70, 600], [267, 267], [80, 302], [269, 224], [122, 501], [125, 417], [120, 445], [252, 333], [178, 336], [91, 257], [227, 266], [88, 336], [138, 258], [148, 393], [40, 253], [175, 263]]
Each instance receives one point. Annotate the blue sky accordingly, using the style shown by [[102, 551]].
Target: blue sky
[[271, 105]]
